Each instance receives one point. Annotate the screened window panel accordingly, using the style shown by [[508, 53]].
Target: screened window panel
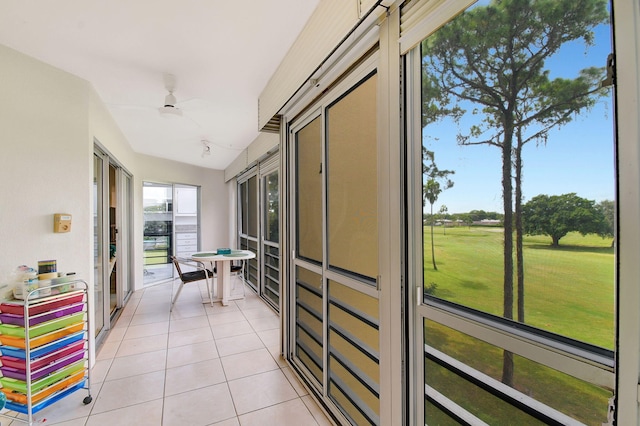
[[309, 191], [352, 182], [252, 207], [527, 236], [309, 314], [575, 398], [272, 208], [244, 208], [354, 377]]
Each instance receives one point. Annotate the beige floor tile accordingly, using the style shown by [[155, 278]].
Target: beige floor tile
[[188, 354], [193, 376], [132, 365], [142, 345], [189, 337], [108, 350], [149, 318], [316, 411], [146, 330], [75, 422], [269, 337], [130, 391], [238, 344], [262, 311], [289, 413], [299, 388], [220, 331], [265, 323], [147, 414], [199, 407], [226, 317], [116, 334], [198, 365], [218, 308], [248, 363], [69, 409], [199, 321], [230, 422], [260, 391], [188, 308], [99, 370]]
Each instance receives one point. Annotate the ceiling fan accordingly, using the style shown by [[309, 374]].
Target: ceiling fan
[[170, 108]]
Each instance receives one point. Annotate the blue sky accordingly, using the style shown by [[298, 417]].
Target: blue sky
[[578, 157]]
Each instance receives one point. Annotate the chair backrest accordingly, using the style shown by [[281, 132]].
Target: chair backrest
[[177, 265]]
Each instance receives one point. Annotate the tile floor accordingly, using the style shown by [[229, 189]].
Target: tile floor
[[197, 365]]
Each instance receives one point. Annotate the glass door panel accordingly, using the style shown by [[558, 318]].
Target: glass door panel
[[114, 239], [158, 232], [270, 287], [248, 215], [308, 199], [98, 241], [352, 182], [336, 309]]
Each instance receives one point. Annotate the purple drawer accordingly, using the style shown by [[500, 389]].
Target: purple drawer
[[17, 319], [36, 363], [19, 374]]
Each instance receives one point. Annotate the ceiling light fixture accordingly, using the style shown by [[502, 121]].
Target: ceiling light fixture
[[206, 148]]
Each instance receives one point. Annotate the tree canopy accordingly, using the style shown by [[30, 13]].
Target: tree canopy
[[557, 215]]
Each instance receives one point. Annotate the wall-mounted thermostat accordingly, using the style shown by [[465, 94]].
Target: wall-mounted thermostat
[[61, 222]]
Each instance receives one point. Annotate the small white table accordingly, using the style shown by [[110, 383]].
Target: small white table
[[223, 268]]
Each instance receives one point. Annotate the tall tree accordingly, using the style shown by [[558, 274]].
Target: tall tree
[[608, 209], [443, 214], [557, 215], [436, 181], [491, 60]]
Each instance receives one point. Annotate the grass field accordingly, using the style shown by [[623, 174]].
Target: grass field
[[569, 290]]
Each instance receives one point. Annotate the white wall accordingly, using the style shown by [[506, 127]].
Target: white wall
[[49, 120], [44, 165]]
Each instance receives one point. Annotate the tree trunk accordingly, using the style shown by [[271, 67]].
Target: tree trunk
[[519, 229], [507, 198], [433, 251]]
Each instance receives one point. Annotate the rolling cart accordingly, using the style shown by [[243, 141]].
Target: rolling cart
[[44, 348]]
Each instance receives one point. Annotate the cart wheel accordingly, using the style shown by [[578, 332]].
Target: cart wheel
[[87, 400]]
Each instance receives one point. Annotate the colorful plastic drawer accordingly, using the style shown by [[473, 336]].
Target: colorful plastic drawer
[[36, 363], [19, 374], [44, 349], [16, 385], [18, 342], [18, 319], [21, 398], [43, 305], [42, 328], [24, 409]]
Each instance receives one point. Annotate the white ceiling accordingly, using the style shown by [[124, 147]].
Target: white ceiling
[[222, 54]]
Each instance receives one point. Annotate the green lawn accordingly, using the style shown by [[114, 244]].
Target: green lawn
[[569, 290]]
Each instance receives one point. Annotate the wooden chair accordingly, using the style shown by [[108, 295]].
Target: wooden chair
[[200, 273]]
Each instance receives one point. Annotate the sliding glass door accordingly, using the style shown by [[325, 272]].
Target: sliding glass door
[[112, 199], [171, 227], [334, 326], [157, 243]]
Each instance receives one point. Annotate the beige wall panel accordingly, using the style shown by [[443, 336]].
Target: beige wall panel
[[238, 165], [261, 145], [329, 24]]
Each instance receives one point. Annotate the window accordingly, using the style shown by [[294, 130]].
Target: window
[[518, 207]]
